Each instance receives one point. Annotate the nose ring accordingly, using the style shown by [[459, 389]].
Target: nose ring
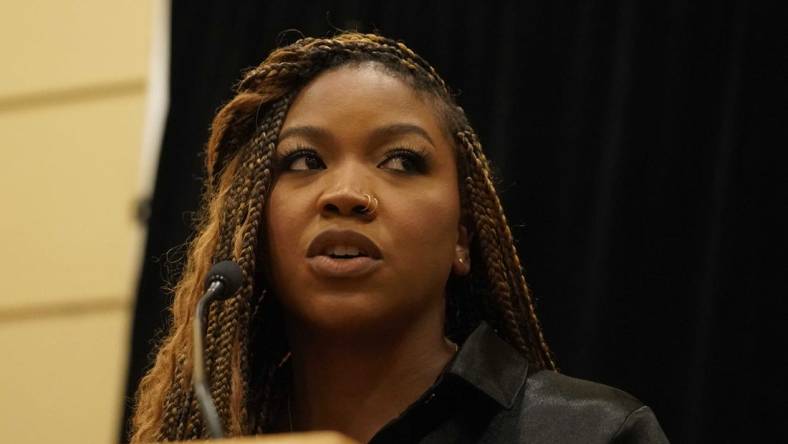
[[372, 204]]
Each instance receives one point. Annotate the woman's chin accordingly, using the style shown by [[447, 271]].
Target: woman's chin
[[348, 313]]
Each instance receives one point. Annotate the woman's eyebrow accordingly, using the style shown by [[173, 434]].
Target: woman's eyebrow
[[307, 131], [383, 132], [400, 129]]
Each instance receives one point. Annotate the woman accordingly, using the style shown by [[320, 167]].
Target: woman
[[383, 296]]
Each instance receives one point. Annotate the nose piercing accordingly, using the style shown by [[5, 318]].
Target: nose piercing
[[370, 208]]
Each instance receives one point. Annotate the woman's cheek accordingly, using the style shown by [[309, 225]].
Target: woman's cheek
[[430, 228]]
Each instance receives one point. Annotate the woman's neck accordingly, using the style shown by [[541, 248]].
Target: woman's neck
[[356, 387]]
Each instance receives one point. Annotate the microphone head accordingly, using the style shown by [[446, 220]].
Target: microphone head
[[229, 274]]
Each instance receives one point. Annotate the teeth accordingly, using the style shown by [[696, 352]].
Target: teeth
[[343, 250]]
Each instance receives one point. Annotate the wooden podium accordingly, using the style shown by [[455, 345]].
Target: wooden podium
[[287, 438]]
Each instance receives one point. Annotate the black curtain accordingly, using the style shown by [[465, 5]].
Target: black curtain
[[637, 145]]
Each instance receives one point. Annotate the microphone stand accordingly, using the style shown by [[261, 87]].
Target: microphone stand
[[204, 399]]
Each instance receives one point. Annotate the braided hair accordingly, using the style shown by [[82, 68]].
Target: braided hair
[[244, 334]]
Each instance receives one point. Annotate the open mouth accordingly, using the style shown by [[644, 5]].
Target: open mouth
[[343, 254], [343, 244]]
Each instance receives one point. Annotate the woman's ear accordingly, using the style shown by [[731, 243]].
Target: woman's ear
[[462, 253]]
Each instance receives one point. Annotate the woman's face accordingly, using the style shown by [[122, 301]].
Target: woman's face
[[356, 130]]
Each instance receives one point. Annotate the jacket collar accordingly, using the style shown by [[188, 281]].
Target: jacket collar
[[491, 365]]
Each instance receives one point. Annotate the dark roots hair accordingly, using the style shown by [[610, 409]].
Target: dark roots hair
[[244, 335]]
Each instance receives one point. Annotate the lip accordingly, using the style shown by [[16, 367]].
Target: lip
[[333, 237], [327, 266]]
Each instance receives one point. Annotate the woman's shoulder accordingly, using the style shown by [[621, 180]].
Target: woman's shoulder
[[558, 408], [561, 389], [544, 406]]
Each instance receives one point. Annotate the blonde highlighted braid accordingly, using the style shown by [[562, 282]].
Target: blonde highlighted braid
[[240, 174]]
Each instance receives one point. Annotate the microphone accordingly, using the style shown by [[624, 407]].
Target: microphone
[[224, 279]]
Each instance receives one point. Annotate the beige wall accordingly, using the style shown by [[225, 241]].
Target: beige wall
[[72, 103]]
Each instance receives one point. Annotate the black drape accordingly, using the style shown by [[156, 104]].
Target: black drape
[[637, 149]]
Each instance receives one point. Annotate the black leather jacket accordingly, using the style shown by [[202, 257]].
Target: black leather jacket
[[487, 395]]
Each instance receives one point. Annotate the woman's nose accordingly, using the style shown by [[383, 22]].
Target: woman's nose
[[345, 202]]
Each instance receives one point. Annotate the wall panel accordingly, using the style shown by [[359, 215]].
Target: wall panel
[[61, 378], [51, 45], [67, 184]]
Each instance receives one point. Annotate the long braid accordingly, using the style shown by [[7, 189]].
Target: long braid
[[489, 242], [240, 176], [263, 178], [194, 427], [482, 186], [220, 314], [190, 422], [233, 342], [175, 397], [191, 419], [226, 320]]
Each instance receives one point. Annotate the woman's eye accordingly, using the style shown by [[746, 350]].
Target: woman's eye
[[301, 160], [405, 160], [402, 160]]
